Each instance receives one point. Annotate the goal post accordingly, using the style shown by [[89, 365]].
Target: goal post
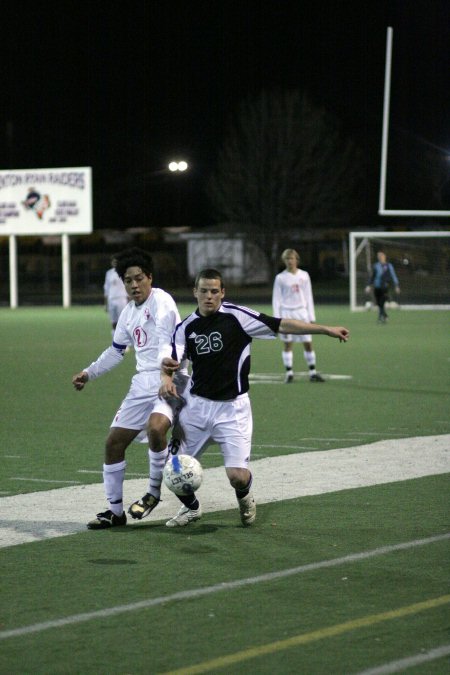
[[421, 261]]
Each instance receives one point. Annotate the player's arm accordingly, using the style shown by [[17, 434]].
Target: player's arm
[[394, 278], [170, 364], [297, 327], [370, 281], [108, 360], [276, 297], [310, 300]]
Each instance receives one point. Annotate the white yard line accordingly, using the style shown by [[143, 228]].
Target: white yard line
[[44, 480], [408, 662], [55, 513], [217, 588]]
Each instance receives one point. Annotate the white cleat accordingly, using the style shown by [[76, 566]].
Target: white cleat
[[247, 508], [184, 517]]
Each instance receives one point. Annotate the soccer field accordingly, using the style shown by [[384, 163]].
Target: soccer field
[[345, 569]]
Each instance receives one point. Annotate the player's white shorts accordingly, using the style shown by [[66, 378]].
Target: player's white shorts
[[142, 400], [301, 314], [115, 308], [227, 423]]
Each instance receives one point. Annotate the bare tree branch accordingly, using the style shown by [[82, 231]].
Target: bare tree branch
[[285, 164]]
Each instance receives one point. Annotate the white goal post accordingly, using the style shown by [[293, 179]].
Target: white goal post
[[421, 261]]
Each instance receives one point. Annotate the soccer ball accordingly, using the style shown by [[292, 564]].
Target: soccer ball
[[183, 474]]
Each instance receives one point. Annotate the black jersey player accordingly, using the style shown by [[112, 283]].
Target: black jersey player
[[217, 339]]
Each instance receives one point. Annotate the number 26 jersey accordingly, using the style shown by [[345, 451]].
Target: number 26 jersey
[[219, 346]]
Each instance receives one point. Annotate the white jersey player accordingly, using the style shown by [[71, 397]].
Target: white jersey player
[[116, 297], [217, 339], [292, 298], [147, 324]]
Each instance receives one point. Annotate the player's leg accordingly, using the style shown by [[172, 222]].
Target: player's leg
[[194, 421], [114, 467], [233, 432], [113, 315], [287, 356], [158, 425], [164, 414], [310, 358], [379, 299], [128, 422], [383, 300]]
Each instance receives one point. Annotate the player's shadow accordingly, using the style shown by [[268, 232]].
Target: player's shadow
[[194, 530]]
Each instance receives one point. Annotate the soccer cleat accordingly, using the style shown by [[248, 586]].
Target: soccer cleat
[[107, 519], [316, 378], [143, 506], [289, 377], [247, 508], [184, 517]]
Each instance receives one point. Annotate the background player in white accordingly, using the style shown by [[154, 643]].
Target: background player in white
[[217, 339], [115, 294], [292, 298], [147, 323]]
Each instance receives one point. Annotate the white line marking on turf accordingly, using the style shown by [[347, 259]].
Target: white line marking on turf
[[279, 377], [319, 438], [35, 516], [45, 480], [408, 662], [254, 454], [294, 447], [376, 433], [13, 456], [216, 588], [128, 474]]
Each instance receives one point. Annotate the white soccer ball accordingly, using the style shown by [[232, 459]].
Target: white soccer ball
[[183, 474]]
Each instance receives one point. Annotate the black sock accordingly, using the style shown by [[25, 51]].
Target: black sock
[[190, 501], [243, 492]]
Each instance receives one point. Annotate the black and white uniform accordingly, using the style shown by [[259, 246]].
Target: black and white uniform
[[217, 403]]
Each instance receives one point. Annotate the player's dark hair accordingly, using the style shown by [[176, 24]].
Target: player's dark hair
[[209, 273], [133, 257]]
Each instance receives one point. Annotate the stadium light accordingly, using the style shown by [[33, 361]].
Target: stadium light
[[178, 166]]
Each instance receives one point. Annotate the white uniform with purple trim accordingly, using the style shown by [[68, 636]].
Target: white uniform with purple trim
[[292, 298], [148, 328]]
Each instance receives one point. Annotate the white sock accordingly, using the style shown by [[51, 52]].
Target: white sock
[[113, 477], [157, 461], [288, 359], [310, 358]]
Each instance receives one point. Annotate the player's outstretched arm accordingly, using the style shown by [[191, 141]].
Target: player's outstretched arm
[[297, 327], [79, 380]]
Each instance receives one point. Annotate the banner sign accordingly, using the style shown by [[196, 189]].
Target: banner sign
[[46, 201]]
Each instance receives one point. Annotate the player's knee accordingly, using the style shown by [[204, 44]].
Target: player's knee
[[238, 477], [157, 428], [114, 450]]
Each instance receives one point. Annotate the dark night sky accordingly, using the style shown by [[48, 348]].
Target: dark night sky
[[125, 86]]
